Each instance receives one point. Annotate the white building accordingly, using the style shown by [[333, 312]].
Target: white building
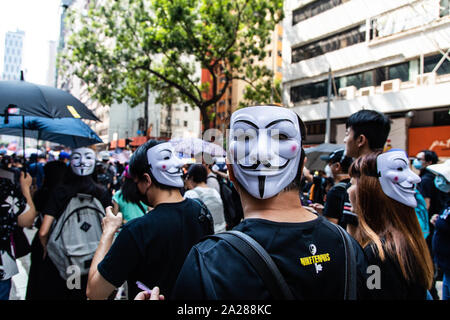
[[384, 55], [12, 62]]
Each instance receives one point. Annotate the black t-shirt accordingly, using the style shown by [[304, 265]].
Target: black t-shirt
[[310, 256], [393, 286], [338, 205], [427, 189], [151, 249]]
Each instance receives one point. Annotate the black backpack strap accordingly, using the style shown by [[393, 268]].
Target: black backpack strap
[[260, 260], [350, 265]]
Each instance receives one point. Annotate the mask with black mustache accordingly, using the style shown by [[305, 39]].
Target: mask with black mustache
[[396, 178], [82, 161], [265, 149], [165, 165]]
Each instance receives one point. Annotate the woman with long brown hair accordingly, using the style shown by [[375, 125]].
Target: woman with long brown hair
[[383, 197]]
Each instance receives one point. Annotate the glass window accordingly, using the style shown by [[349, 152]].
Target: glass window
[[312, 9], [335, 42], [399, 71], [444, 8], [429, 63]]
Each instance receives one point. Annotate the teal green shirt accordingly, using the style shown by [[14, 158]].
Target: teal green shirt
[[129, 210]]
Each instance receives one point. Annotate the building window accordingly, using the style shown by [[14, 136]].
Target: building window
[[185, 123], [399, 71], [312, 9], [335, 42], [309, 91], [185, 108], [315, 128], [444, 8], [441, 118], [429, 63]]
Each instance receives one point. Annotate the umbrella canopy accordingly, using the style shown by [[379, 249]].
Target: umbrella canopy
[[42, 101], [70, 132], [192, 146], [313, 154]]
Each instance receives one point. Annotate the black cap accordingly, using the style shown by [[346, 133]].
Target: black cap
[[335, 156], [338, 156]]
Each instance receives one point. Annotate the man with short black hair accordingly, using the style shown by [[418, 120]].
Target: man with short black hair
[[366, 131], [266, 155], [150, 249]]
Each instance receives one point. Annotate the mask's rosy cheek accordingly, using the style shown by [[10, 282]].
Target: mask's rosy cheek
[[288, 149]]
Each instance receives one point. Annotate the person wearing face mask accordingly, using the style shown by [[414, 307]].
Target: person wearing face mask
[[434, 198], [337, 208], [79, 179], [265, 163], [441, 222], [383, 196], [149, 249]]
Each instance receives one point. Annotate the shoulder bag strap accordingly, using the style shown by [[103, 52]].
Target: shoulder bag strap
[[350, 265], [260, 260]]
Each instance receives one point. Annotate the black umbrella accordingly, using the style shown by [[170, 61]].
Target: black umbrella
[[41, 101]]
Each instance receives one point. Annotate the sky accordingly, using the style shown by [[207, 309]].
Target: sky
[[40, 20]]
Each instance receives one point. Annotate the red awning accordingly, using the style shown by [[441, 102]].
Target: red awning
[[137, 141]]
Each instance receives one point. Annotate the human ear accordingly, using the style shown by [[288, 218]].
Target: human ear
[[148, 180], [361, 140]]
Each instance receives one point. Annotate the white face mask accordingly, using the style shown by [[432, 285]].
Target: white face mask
[[328, 171], [82, 161], [165, 166], [396, 178], [265, 148]]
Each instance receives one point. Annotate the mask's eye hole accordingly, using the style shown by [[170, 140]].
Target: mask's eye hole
[[280, 137], [166, 158], [399, 169]]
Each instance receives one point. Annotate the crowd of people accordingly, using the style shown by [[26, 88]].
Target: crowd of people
[[372, 225]]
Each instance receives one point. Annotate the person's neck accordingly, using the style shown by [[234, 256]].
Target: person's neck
[[284, 207], [201, 185], [366, 150], [340, 177], [166, 196]]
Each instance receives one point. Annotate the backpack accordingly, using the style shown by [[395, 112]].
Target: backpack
[[232, 207], [75, 235]]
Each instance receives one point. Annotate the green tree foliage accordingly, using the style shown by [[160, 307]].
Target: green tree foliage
[[118, 48]]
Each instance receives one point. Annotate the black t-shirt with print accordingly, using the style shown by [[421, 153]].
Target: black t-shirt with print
[[151, 249], [12, 204], [215, 270], [392, 283]]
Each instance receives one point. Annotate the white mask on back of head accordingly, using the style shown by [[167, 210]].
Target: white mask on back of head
[[82, 161], [265, 148], [165, 165], [396, 178]]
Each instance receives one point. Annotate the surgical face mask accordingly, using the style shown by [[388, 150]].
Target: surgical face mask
[[442, 184], [265, 149], [165, 166], [396, 178], [417, 164], [82, 161], [328, 171]]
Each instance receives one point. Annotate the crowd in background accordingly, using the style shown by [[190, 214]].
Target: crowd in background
[[337, 193]]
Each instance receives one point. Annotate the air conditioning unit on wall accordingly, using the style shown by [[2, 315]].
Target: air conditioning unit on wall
[[390, 85], [366, 91], [347, 92], [426, 79]]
